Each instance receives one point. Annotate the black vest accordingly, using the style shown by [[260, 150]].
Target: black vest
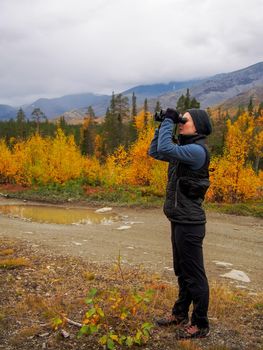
[[186, 188]]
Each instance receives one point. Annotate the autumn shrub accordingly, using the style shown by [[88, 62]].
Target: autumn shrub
[[41, 160], [139, 172], [65, 160], [232, 178], [115, 169], [231, 183], [158, 178], [8, 167], [31, 160], [92, 171]]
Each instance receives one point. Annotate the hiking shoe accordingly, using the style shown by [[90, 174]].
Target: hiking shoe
[[172, 320], [192, 333]]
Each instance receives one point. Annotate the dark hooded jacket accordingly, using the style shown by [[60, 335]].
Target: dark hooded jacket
[[186, 188]]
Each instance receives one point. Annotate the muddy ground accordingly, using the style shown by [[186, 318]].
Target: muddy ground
[[233, 239]]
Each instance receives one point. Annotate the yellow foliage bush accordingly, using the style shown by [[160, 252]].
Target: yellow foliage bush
[[115, 170], [233, 179], [65, 160], [139, 172], [158, 178], [92, 170], [8, 168], [230, 183], [39, 160], [30, 157]]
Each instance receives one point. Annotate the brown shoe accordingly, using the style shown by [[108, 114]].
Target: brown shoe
[[172, 320], [193, 332]]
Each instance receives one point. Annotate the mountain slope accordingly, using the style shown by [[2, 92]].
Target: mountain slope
[[210, 92], [221, 87], [7, 112], [57, 106], [155, 90], [231, 105]]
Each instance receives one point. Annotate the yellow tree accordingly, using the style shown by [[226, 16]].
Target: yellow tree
[[8, 168], [234, 179], [258, 141]]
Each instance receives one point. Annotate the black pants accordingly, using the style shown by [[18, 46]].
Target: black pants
[[189, 268]]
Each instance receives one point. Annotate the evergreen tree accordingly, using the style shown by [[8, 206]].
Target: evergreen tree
[[180, 106], [37, 115], [260, 110], [157, 107], [20, 117], [21, 123], [194, 103], [145, 108], [186, 102], [91, 112], [62, 122], [87, 136], [250, 107], [112, 103], [110, 132], [134, 105], [117, 124]]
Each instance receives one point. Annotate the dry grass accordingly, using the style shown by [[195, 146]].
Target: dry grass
[[13, 263], [54, 287], [7, 251]]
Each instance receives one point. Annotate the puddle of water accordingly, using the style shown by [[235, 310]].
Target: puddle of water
[[58, 215]]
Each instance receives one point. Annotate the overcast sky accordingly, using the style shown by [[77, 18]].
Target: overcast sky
[[55, 47]]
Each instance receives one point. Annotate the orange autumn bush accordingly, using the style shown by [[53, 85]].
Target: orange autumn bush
[[30, 157], [115, 169], [65, 160], [8, 168], [140, 166], [233, 178], [42, 160]]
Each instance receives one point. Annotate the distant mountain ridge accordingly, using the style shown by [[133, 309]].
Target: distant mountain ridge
[[7, 112], [210, 92], [154, 90], [219, 88], [242, 99]]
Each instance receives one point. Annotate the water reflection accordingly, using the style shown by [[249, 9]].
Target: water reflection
[[58, 215]]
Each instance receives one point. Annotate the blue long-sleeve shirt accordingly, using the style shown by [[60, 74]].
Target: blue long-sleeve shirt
[[163, 148]]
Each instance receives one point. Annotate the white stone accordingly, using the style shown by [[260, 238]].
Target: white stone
[[222, 263], [133, 222], [103, 210], [77, 243], [123, 228], [237, 275], [168, 268]]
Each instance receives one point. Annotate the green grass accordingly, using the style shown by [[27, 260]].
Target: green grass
[[74, 191], [246, 209], [77, 190]]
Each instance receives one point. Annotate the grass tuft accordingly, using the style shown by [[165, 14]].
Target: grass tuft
[[7, 252], [13, 263]]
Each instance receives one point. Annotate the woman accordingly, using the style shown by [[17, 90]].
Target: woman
[[188, 181]]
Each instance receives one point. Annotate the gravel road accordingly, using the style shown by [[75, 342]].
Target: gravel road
[[229, 239]]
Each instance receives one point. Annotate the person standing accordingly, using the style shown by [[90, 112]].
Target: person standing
[[188, 181]]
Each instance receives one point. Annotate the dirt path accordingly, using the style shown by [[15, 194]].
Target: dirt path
[[232, 239]]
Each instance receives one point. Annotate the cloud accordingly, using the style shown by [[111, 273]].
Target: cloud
[[58, 47]]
